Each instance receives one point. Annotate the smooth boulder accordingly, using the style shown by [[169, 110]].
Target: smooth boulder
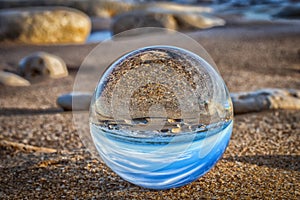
[[44, 25], [76, 101], [41, 65], [10, 79]]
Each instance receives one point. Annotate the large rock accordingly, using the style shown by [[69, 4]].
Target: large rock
[[139, 19], [40, 65], [10, 79], [43, 25]]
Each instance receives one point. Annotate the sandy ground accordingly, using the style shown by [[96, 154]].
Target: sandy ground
[[261, 161]]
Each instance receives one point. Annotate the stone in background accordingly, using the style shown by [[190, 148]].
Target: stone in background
[[44, 25]]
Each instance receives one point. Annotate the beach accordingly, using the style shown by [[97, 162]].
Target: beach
[[261, 161]]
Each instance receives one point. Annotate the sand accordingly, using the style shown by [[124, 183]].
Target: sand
[[261, 161]]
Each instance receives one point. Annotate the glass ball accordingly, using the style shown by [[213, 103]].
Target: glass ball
[[161, 117]]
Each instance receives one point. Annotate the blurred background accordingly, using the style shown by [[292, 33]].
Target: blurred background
[[20, 19]]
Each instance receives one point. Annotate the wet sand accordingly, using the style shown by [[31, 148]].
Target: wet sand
[[261, 161]]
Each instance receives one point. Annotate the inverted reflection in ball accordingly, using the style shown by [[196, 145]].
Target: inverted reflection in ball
[[161, 117]]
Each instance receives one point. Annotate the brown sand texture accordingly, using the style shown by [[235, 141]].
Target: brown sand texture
[[42, 157]]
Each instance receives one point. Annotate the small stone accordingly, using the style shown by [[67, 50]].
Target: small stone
[[41, 65], [75, 101], [175, 120], [165, 130], [141, 120], [136, 121], [111, 127], [10, 79], [176, 130], [197, 127], [128, 121]]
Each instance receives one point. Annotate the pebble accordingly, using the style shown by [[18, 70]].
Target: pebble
[[76, 101], [10, 79], [137, 121], [170, 120], [41, 65], [176, 130]]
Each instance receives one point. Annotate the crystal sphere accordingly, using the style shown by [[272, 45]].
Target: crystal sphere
[[161, 117]]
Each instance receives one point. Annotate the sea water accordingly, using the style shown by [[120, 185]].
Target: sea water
[[164, 161]]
